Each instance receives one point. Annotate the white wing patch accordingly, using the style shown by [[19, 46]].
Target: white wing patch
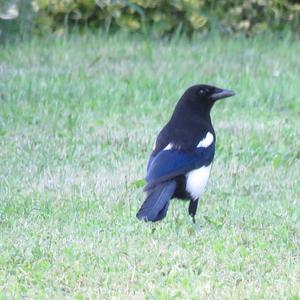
[[209, 138], [206, 141], [196, 181], [169, 146]]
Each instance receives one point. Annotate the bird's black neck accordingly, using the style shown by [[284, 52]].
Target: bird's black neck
[[193, 114]]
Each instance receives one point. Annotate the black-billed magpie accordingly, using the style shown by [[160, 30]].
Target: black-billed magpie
[[180, 162]]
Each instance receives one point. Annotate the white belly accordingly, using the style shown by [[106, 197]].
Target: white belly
[[196, 181]]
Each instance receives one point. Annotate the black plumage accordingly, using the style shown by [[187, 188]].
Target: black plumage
[[180, 162]]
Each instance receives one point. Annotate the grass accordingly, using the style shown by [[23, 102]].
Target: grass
[[78, 119]]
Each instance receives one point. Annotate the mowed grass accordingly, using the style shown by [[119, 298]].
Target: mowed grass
[[78, 120]]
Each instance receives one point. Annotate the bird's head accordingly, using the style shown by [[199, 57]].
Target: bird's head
[[205, 95]]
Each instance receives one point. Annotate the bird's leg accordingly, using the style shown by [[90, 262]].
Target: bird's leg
[[193, 209]]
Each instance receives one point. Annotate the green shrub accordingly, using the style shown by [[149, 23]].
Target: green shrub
[[256, 15], [166, 16], [15, 17], [162, 16]]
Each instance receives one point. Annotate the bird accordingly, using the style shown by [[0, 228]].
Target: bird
[[180, 162]]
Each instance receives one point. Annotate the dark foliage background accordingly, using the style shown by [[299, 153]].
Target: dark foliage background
[[162, 16]]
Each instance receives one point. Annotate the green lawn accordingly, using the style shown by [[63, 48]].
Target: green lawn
[[78, 120]]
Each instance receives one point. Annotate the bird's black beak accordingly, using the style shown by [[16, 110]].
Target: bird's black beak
[[221, 93]]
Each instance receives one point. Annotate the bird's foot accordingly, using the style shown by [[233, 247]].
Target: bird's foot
[[193, 218]]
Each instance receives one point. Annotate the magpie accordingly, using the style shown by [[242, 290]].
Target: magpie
[[180, 163]]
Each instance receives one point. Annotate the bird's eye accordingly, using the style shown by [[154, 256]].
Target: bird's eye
[[201, 92]]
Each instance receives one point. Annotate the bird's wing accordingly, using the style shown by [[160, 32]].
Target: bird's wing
[[168, 164]]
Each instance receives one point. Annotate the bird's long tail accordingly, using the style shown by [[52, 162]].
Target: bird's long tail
[[156, 205]]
